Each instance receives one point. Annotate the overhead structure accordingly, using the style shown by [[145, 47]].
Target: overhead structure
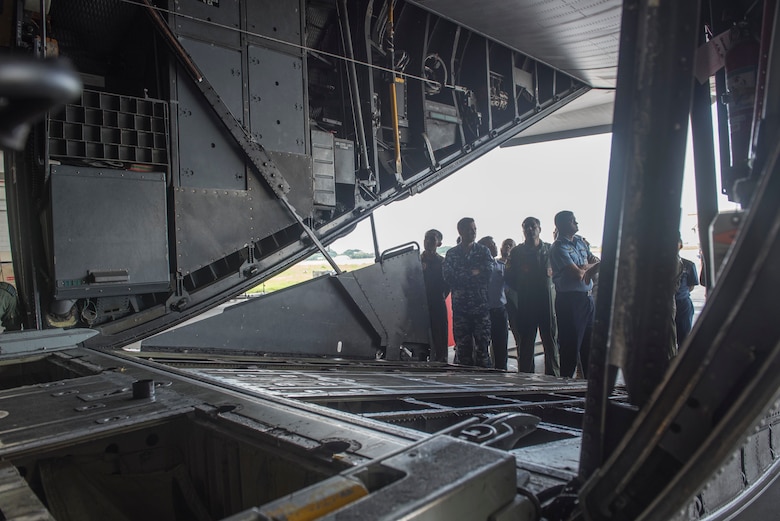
[[252, 134], [580, 38]]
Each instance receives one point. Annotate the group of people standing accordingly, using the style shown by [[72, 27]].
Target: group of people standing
[[527, 287]]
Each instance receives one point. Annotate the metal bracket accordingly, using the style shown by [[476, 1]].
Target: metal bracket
[[179, 299], [352, 287]]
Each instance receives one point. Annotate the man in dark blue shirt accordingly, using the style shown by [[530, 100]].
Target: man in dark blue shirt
[[529, 274], [573, 268], [683, 317], [509, 293], [436, 290], [467, 268]]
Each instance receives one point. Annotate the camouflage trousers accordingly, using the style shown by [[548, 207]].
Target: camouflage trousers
[[472, 337]]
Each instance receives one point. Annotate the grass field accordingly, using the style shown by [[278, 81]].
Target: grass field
[[299, 273]]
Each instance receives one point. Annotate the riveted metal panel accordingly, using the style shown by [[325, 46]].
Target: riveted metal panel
[[297, 170], [126, 236], [217, 22], [270, 23], [212, 224], [276, 105], [207, 156], [757, 455], [729, 484]]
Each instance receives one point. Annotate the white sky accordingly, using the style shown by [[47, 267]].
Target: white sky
[[507, 185]]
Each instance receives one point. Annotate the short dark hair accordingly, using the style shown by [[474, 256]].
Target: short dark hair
[[562, 218], [487, 239], [533, 220], [464, 222], [436, 233]]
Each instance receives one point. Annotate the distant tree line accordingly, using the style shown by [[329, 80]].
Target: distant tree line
[[352, 254], [359, 254]]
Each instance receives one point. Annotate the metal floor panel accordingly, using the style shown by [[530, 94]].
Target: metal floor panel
[[334, 383]]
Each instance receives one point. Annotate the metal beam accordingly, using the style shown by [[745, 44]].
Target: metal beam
[[706, 173], [728, 372], [659, 103], [601, 374]]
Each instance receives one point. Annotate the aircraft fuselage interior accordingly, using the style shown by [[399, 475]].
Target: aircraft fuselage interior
[[161, 157]]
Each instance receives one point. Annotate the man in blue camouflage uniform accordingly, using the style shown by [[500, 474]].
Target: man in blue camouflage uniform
[[467, 268], [573, 267]]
